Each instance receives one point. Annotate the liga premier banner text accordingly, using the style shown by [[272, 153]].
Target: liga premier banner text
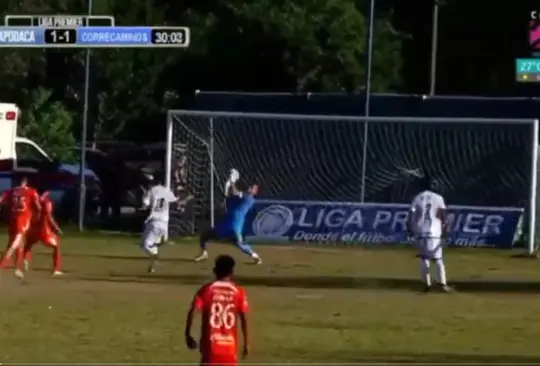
[[375, 223]]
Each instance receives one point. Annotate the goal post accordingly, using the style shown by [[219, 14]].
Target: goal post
[[317, 168]]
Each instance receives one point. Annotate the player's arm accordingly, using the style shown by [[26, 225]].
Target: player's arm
[[244, 324], [147, 199], [190, 341], [37, 203], [245, 332], [196, 304], [54, 224], [227, 189], [235, 191], [413, 211], [441, 214], [171, 198], [185, 200]]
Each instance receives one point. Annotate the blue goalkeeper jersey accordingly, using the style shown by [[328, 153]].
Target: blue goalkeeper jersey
[[242, 209], [231, 202]]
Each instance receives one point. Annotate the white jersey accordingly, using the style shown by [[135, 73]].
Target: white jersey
[[424, 209], [157, 199]]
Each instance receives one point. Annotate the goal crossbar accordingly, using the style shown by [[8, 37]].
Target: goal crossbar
[[334, 118]]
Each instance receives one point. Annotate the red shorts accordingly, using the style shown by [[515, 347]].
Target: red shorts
[[219, 360], [46, 237], [19, 226]]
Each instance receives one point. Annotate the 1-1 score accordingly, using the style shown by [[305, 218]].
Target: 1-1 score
[[60, 36]]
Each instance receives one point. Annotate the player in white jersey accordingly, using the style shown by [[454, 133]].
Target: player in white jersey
[[427, 221], [157, 200]]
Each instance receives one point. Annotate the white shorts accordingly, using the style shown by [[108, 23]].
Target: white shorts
[[154, 232], [430, 248]]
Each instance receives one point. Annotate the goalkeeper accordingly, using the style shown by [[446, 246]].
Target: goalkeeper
[[232, 225]]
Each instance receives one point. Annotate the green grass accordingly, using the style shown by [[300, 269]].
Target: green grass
[[308, 305]]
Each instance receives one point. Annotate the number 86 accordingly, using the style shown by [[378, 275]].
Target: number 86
[[222, 316]]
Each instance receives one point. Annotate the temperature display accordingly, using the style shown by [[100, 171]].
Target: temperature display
[[528, 69]]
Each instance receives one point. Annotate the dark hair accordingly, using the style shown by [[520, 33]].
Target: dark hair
[[224, 266], [241, 185]]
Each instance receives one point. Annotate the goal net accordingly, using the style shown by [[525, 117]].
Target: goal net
[[475, 162]]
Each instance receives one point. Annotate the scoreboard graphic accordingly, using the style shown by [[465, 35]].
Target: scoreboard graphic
[[72, 31]]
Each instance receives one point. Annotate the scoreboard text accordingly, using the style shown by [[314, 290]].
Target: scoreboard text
[[85, 32]]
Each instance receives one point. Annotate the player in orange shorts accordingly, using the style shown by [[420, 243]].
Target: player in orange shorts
[[24, 205], [222, 304], [45, 230]]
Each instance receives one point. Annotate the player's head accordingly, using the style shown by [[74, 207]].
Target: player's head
[[224, 266], [253, 189], [427, 183], [245, 187], [241, 185]]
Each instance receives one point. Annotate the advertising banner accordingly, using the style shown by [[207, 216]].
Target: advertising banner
[[371, 223]]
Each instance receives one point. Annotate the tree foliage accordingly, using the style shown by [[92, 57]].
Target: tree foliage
[[293, 45], [48, 122]]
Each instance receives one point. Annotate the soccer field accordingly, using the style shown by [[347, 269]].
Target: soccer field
[[308, 305]]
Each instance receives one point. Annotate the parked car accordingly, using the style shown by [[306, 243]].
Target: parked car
[[43, 172]]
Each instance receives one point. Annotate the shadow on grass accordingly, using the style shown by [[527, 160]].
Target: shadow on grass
[[320, 282], [427, 357]]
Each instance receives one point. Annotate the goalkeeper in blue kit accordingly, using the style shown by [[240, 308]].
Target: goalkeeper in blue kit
[[231, 227]]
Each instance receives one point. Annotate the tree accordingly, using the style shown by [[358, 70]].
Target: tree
[[293, 45], [305, 45], [49, 123], [123, 81]]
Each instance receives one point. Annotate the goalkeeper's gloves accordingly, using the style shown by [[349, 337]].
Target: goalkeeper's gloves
[[234, 175]]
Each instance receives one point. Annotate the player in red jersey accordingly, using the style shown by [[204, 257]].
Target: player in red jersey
[[45, 230], [24, 205], [222, 304]]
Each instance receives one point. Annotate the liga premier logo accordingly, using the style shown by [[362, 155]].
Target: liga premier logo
[[273, 221]]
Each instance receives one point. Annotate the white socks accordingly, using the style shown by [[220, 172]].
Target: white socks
[[424, 270], [441, 271]]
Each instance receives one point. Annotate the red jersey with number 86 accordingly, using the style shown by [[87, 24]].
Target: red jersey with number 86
[[220, 303]]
